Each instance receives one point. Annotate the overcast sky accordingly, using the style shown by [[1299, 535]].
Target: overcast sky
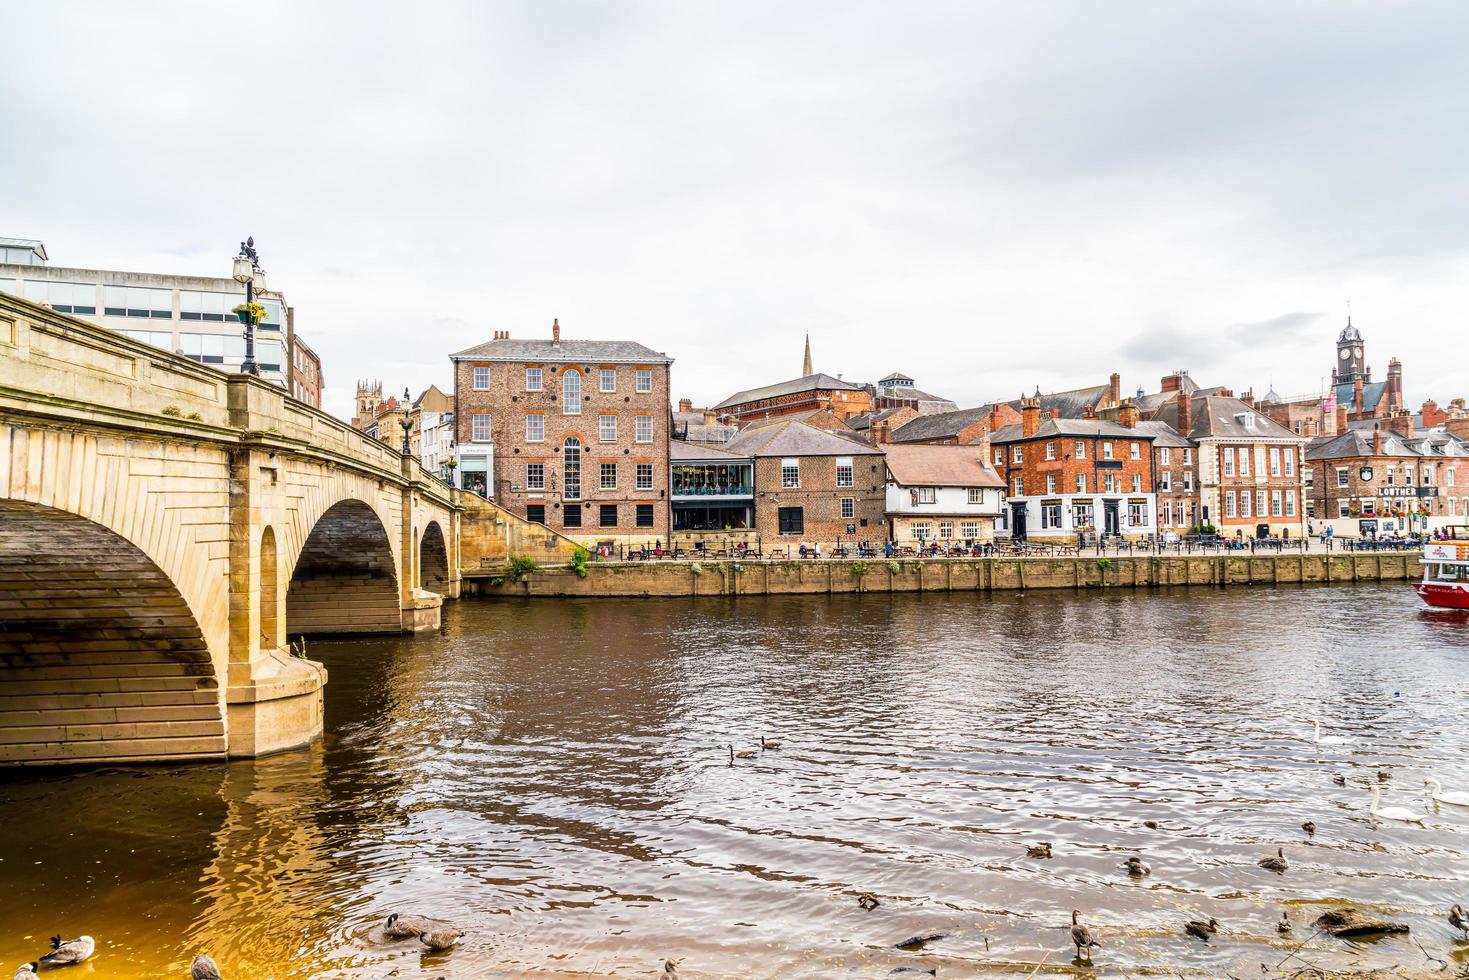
[[985, 196]]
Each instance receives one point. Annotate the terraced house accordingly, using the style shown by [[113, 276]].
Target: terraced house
[[568, 433]]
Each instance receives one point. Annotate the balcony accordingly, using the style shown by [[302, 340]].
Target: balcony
[[729, 492]]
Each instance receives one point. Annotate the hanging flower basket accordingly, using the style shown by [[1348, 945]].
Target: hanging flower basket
[[250, 313]]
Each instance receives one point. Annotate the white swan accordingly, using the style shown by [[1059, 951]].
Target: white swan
[[1329, 739], [1393, 812], [1452, 797]]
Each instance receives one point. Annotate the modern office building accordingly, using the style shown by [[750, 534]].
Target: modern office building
[[191, 315]]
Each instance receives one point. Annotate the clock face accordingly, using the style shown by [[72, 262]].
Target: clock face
[[1357, 351], [1345, 353]]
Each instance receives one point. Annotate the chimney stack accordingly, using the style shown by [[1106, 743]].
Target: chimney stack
[[1127, 414], [1401, 422], [1357, 396], [1394, 391], [994, 416], [556, 332], [1308, 428], [1030, 415], [1433, 415], [1376, 440], [1114, 390], [1172, 382], [1341, 419], [685, 404], [1055, 413], [1185, 413]]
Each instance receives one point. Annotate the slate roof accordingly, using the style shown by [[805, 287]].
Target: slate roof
[[1213, 417], [940, 466], [1053, 428], [792, 437], [1354, 444], [1372, 393], [940, 425], [811, 382], [687, 452], [895, 376], [1070, 404], [1165, 435], [566, 352], [863, 422]]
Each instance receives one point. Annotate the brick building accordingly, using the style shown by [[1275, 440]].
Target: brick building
[[965, 427], [573, 434], [1384, 481], [1067, 477], [1175, 478], [812, 485]]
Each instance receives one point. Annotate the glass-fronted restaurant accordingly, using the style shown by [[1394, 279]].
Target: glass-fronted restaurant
[[711, 490]]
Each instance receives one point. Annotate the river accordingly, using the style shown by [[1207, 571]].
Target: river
[[553, 777]]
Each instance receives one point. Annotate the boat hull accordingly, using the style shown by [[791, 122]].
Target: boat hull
[[1443, 596]]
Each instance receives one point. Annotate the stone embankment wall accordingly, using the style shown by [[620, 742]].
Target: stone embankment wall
[[490, 534], [612, 579]]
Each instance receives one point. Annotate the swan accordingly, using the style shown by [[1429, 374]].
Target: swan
[[1081, 936], [65, 952], [1452, 797], [204, 968], [1392, 812], [1327, 740]]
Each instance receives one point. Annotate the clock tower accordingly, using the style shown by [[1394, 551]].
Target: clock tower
[[1351, 360]]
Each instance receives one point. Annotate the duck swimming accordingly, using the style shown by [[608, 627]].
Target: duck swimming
[[768, 745], [1041, 850], [1200, 929], [1309, 828], [1276, 862], [440, 940], [1283, 926], [1137, 867], [742, 754], [67, 952], [398, 927], [203, 968]]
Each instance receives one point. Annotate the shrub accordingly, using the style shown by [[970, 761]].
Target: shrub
[[195, 417], [696, 568], [579, 561], [172, 411], [858, 568], [1103, 564], [894, 567], [521, 566]]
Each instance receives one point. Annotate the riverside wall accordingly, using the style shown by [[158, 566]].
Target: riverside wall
[[668, 578]]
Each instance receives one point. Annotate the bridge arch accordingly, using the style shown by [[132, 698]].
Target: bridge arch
[[433, 559], [101, 657], [345, 578]]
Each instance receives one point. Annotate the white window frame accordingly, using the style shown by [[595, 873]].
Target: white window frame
[[976, 495], [1137, 450], [602, 483], [533, 379], [1050, 450], [927, 495], [1229, 504], [481, 427], [571, 380], [641, 470], [790, 474], [606, 428], [480, 378], [946, 530], [1081, 483], [1080, 449], [607, 379], [1165, 456], [1137, 483], [1245, 504], [1050, 483], [1106, 450], [1017, 454], [536, 432], [1165, 481], [538, 480], [643, 381], [844, 479], [642, 428]]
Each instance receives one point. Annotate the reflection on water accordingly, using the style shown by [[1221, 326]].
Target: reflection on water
[[553, 778]]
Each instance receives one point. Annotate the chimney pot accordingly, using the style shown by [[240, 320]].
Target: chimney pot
[[556, 331], [1114, 388]]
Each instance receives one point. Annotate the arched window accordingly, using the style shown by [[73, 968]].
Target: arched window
[[571, 469], [571, 392]]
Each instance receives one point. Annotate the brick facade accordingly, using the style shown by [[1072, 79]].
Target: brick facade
[[819, 499]]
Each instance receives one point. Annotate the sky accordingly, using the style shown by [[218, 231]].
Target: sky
[[988, 197]]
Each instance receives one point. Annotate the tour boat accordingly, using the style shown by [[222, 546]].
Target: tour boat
[[1446, 570]]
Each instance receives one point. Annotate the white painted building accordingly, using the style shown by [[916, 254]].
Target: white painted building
[[437, 445], [941, 493]]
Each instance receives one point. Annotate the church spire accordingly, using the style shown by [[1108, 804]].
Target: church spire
[[806, 371]]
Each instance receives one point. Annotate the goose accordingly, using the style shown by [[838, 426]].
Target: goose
[[670, 970], [1275, 862], [1041, 850], [1200, 929], [1456, 919], [1081, 936], [1326, 740], [27, 971], [1137, 867], [765, 743], [398, 927], [203, 968], [742, 754], [440, 940], [1309, 827], [1283, 926], [1452, 797], [868, 901], [1392, 812], [66, 952]]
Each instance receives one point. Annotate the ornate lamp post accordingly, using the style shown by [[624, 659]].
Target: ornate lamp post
[[248, 272], [407, 423]]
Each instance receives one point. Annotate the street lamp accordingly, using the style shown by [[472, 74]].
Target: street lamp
[[407, 423], [248, 272]]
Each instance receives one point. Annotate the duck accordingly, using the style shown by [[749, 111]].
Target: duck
[[1137, 867], [1081, 936], [27, 971], [670, 970], [1319, 739], [67, 952], [1200, 929], [440, 940], [203, 968], [742, 754], [1041, 850], [768, 745], [1457, 919], [1452, 797], [1339, 779], [398, 927], [1283, 926], [868, 901], [1383, 775], [1309, 827], [1275, 862], [1401, 813]]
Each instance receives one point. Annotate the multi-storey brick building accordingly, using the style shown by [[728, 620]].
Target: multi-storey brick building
[[1067, 477], [572, 434], [812, 485], [1175, 478], [1384, 482]]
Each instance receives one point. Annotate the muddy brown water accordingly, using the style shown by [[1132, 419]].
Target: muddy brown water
[[552, 777]]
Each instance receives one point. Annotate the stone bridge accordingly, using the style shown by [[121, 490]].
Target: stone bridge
[[164, 526]]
